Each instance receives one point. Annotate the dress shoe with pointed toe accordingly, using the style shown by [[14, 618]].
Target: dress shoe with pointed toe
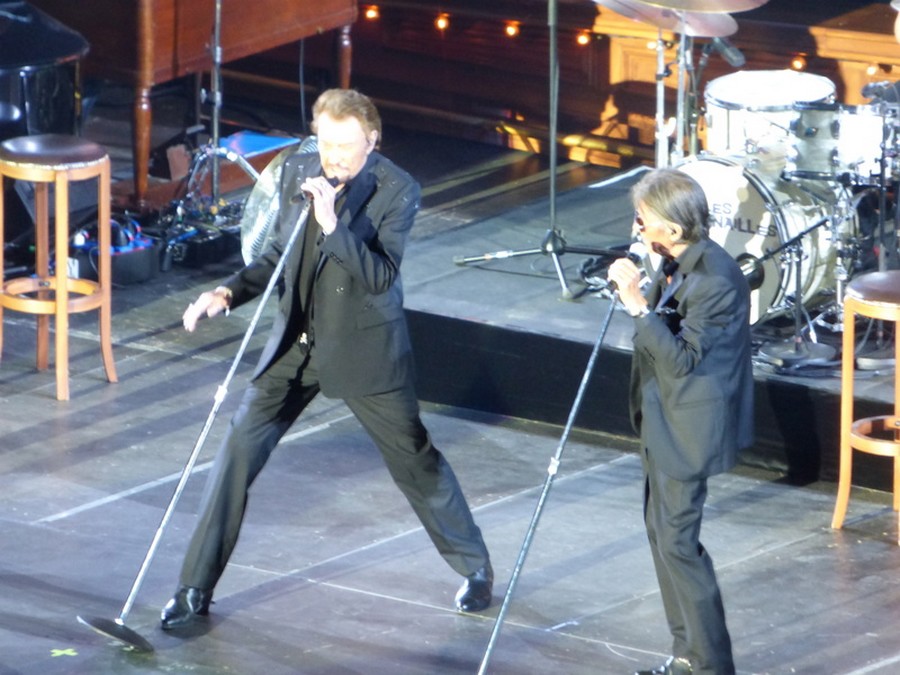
[[475, 593], [184, 608], [674, 666]]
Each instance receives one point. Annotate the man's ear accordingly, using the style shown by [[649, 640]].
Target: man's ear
[[676, 232]]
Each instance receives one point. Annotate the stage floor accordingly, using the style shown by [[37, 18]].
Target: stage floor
[[333, 573]]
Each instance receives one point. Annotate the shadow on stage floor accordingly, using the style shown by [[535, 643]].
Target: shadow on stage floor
[[333, 574]]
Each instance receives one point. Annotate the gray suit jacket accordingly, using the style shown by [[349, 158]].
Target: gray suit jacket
[[692, 379], [362, 343]]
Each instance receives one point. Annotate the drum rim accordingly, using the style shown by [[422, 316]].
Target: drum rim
[[711, 97], [823, 106]]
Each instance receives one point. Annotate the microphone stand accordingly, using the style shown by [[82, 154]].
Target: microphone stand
[[554, 243], [552, 470], [117, 628], [796, 350]]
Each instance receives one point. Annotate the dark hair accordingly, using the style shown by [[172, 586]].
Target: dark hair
[[343, 103], [673, 195]]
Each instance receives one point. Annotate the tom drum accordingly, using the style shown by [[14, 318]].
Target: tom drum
[[749, 115]]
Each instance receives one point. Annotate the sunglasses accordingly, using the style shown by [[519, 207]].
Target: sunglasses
[[639, 222], [641, 225]]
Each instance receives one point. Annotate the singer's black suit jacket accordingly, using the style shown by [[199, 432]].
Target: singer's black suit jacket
[[362, 342], [692, 379]]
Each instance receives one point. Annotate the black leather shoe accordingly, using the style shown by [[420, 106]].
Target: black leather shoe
[[674, 666], [185, 607], [475, 593]]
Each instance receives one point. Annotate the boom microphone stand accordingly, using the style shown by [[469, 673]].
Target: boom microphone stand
[[797, 350], [552, 469], [554, 243], [117, 629]]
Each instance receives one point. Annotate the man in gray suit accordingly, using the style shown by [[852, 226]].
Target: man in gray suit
[[340, 330], [691, 402]]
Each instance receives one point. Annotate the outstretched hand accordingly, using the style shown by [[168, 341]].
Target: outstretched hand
[[210, 303]]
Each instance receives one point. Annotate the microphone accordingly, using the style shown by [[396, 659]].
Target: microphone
[[734, 56], [636, 254], [302, 196], [308, 145], [884, 90], [752, 269]]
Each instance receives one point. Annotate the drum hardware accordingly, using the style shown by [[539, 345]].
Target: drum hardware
[[882, 354], [212, 153], [846, 252], [689, 19], [798, 350]]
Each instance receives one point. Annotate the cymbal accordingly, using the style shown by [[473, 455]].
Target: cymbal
[[712, 6], [693, 24]]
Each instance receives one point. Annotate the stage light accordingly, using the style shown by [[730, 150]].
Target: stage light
[[512, 29], [583, 38], [442, 22], [798, 62], [372, 13]]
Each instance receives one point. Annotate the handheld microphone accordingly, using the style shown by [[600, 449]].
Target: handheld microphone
[[303, 195], [636, 254], [732, 55], [884, 90]]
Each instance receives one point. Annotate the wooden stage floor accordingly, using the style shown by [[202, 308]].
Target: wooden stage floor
[[333, 575]]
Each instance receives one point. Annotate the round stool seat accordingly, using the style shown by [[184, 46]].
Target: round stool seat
[[876, 287], [51, 151]]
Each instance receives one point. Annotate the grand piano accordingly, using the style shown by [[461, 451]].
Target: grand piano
[[149, 42]]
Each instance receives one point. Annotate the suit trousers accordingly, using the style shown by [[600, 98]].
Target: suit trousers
[[267, 410], [673, 510]]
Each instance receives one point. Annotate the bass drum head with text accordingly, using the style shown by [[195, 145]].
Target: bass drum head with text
[[751, 218]]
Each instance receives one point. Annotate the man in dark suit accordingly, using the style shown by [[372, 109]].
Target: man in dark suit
[[340, 330], [691, 402]]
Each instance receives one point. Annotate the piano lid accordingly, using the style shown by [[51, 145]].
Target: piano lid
[[31, 39]]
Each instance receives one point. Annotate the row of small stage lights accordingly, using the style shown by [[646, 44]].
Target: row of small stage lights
[[511, 28]]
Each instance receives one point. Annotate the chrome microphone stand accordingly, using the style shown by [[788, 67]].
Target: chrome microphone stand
[[117, 628], [552, 470]]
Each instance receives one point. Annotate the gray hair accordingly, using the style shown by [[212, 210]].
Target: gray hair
[[674, 196], [343, 103]]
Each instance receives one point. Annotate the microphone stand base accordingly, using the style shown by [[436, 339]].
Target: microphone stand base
[[792, 353]]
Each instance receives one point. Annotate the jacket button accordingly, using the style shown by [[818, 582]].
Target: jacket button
[[339, 289]]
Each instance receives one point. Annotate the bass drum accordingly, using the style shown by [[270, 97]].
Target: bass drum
[[751, 217]]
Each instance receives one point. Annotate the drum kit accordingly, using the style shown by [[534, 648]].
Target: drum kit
[[787, 169]]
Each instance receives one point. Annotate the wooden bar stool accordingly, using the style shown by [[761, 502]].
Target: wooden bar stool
[[877, 296], [56, 159]]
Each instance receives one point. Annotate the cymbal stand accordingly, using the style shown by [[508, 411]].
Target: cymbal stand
[[883, 352], [211, 152], [845, 252], [662, 72], [797, 350], [685, 69]]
